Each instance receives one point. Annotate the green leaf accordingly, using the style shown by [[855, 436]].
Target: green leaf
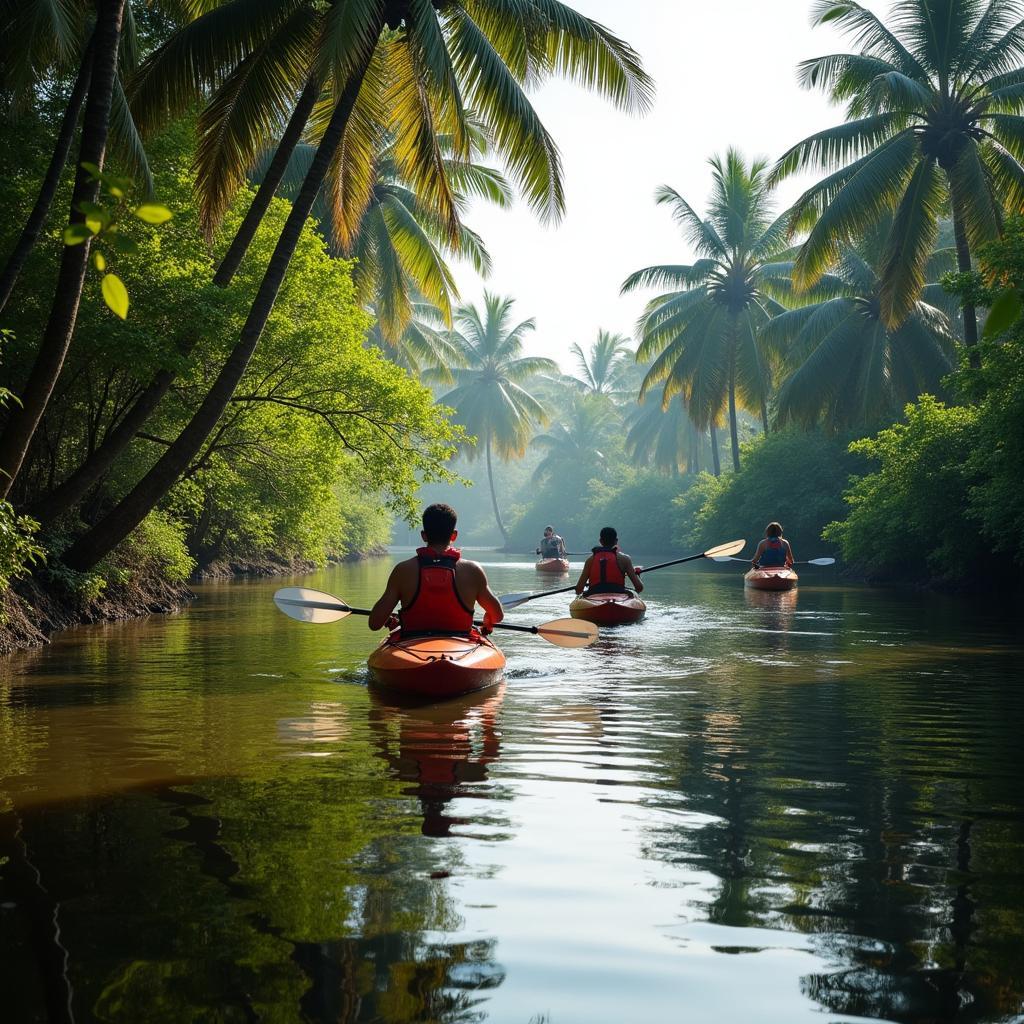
[[76, 234], [99, 261], [1003, 313], [122, 243], [90, 209], [97, 224], [91, 169], [115, 295], [153, 213]]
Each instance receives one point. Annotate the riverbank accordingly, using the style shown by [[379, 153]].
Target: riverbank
[[33, 610]]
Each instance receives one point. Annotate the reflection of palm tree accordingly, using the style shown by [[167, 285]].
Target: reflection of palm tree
[[577, 442], [703, 337], [848, 368], [604, 367], [489, 398]]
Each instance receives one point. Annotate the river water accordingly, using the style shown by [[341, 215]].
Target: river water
[[748, 808]]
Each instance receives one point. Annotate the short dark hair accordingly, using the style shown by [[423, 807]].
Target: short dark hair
[[439, 523], [609, 536], [773, 530]]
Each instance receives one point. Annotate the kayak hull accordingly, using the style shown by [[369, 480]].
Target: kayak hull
[[609, 609], [555, 565], [436, 667], [771, 579]]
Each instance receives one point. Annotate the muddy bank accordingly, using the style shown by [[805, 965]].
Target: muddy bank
[[32, 613]]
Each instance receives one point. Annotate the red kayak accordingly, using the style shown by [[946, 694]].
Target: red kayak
[[557, 565], [779, 577], [608, 609], [436, 667]]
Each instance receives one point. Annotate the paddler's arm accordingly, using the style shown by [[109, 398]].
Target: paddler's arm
[[485, 597], [584, 576], [626, 565], [757, 554], [381, 611], [789, 553]]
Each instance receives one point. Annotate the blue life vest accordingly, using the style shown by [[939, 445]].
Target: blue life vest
[[774, 553]]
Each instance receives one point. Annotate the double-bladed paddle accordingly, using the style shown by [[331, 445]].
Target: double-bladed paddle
[[808, 561], [315, 606], [515, 600]]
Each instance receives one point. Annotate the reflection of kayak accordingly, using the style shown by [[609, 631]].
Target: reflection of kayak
[[771, 578], [608, 609], [436, 666], [552, 565]]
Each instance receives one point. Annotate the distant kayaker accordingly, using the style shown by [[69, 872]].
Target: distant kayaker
[[607, 568], [774, 551], [551, 545], [438, 589]]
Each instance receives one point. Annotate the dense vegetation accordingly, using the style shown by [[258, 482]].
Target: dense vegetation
[[242, 336]]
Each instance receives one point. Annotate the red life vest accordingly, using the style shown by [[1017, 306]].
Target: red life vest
[[436, 606], [605, 575], [774, 554]]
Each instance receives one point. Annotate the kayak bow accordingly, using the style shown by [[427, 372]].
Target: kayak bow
[[436, 667], [608, 609], [556, 565], [771, 578]]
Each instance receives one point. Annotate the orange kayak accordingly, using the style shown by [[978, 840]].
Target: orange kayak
[[608, 609], [552, 565], [436, 667], [771, 578]]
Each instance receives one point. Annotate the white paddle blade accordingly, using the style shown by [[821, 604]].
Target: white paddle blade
[[310, 605], [569, 632], [822, 561], [514, 600], [726, 558], [734, 547]]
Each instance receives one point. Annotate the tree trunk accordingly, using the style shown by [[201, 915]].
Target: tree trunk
[[963, 264], [69, 493], [143, 498], [494, 497], [716, 460], [60, 327], [733, 426], [269, 185], [62, 146], [764, 414]]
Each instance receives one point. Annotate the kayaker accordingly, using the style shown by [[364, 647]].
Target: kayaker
[[438, 589], [551, 545], [774, 551], [606, 569]]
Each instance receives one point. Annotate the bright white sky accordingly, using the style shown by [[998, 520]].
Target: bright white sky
[[725, 72]]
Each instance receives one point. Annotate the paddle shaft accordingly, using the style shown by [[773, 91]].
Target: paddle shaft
[[337, 606]]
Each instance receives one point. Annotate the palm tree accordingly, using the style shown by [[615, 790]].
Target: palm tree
[[489, 398], [421, 76], [604, 368], [847, 366], [703, 338], [665, 437], [934, 122], [424, 346], [579, 441]]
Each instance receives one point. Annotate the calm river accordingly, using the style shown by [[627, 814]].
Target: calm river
[[749, 808]]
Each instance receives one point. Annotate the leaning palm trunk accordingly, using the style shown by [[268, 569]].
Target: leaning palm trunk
[[74, 259], [733, 425], [143, 498], [71, 491], [494, 497], [716, 459], [62, 146], [963, 265]]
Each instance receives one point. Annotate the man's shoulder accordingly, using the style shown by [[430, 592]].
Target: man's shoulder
[[467, 564]]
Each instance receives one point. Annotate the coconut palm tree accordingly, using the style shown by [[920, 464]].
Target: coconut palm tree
[[847, 367], [604, 368], [703, 337], [665, 438], [579, 441], [424, 346], [934, 102], [423, 67], [489, 397]]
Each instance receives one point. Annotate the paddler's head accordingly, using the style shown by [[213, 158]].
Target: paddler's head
[[609, 537], [773, 530], [439, 526], [549, 531]]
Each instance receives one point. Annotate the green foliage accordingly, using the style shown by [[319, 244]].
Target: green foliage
[[159, 547], [105, 223], [18, 550], [794, 477], [909, 518]]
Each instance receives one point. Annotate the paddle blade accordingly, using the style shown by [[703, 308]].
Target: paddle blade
[[726, 558], [310, 605], [734, 547], [514, 600], [569, 632], [822, 561]]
